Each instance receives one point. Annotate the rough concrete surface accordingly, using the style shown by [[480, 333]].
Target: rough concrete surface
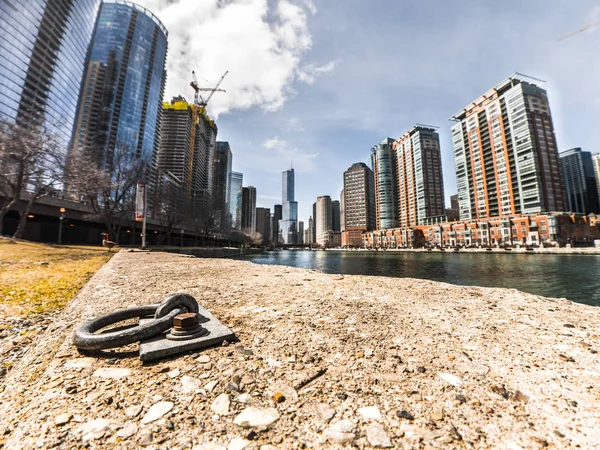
[[322, 361]]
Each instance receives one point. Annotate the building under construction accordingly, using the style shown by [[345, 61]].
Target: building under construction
[[186, 153]]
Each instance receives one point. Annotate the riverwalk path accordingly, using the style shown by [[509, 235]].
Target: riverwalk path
[[322, 360]]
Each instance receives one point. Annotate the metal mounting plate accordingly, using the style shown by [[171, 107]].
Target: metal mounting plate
[[161, 347]]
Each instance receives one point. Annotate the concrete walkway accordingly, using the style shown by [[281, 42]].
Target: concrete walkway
[[322, 360]]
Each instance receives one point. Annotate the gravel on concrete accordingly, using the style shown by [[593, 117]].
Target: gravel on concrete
[[321, 360]]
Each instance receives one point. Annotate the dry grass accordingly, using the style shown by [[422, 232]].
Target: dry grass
[[26, 286]]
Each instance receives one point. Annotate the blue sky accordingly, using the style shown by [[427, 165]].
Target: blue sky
[[321, 82]]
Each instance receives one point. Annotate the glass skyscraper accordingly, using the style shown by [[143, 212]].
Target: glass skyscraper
[[235, 199], [222, 183], [385, 168], [43, 49], [287, 184], [289, 221], [121, 101]]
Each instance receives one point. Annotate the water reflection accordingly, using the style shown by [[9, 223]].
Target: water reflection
[[576, 277]]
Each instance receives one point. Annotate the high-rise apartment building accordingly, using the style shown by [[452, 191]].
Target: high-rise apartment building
[[324, 220], [307, 237], [176, 151], [309, 232], [248, 210], [121, 100], [342, 211], [359, 198], [419, 180], [596, 164], [409, 187], [300, 232], [263, 224], [289, 221], [235, 199], [221, 190], [581, 191], [335, 215], [43, 50], [505, 153], [452, 212], [275, 231], [184, 153], [314, 223], [386, 188]]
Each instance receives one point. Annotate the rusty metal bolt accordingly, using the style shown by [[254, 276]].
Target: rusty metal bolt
[[186, 321]]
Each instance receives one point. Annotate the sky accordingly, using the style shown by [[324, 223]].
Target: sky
[[318, 83]]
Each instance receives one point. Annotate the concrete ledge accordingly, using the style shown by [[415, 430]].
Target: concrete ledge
[[322, 360]]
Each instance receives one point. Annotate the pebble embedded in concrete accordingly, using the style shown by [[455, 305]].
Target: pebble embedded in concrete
[[112, 372], [377, 436], [63, 419], [220, 405], [324, 412], [370, 413], [340, 432], [450, 379], [189, 384], [128, 430], [210, 385], [133, 411], [253, 417], [156, 411], [238, 444]]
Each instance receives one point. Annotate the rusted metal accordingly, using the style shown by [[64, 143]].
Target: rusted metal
[[86, 338], [191, 327], [185, 322]]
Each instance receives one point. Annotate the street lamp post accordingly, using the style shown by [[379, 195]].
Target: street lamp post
[[61, 218], [181, 242]]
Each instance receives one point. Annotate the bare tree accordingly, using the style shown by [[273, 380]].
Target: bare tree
[[168, 209], [203, 220], [32, 167], [109, 188]]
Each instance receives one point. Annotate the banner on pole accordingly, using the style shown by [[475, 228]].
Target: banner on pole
[[140, 202]]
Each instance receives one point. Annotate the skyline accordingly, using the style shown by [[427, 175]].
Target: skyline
[[347, 69]]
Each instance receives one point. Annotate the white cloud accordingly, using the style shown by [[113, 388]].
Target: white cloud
[[310, 72], [275, 143], [292, 124], [260, 43], [281, 153]]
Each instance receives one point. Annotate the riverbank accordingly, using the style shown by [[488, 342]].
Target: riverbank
[[323, 359]]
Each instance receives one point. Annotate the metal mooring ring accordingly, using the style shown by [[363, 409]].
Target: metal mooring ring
[[85, 337], [176, 301]]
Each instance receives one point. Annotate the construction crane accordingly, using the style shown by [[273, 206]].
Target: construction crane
[[198, 100], [591, 25]]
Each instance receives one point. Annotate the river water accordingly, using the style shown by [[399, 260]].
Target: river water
[[576, 277]]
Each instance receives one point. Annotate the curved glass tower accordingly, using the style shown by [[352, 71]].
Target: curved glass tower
[[43, 49], [121, 101], [384, 185]]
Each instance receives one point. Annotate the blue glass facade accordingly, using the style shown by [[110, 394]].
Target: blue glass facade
[[384, 185], [129, 48], [288, 186], [43, 49]]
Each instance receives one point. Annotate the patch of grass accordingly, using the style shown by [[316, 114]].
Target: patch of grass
[[26, 286]]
